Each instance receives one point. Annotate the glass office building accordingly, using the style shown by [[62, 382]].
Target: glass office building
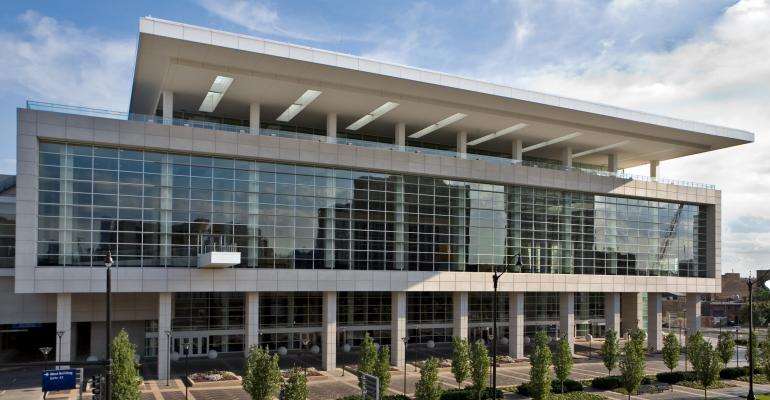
[[314, 198]]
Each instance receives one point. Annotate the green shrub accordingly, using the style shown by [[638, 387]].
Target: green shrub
[[396, 397], [469, 394], [525, 389], [606, 382], [732, 373], [351, 397], [676, 377], [742, 342]]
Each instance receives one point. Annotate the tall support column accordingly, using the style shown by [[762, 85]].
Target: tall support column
[[254, 117], [164, 325], [64, 324], [331, 127], [567, 317], [693, 313], [462, 144], [460, 314], [654, 168], [516, 150], [632, 313], [516, 325], [612, 162], [612, 311], [400, 134], [398, 329], [655, 321], [252, 320], [566, 157], [329, 332], [168, 107]]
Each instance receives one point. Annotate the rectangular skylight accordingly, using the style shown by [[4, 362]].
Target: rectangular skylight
[[600, 149], [438, 125], [299, 105], [215, 94], [552, 141], [497, 134], [378, 112]]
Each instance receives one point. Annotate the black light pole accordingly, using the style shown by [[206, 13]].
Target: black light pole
[[736, 347], [186, 367], [168, 355], [405, 339], [108, 374], [496, 277], [750, 284]]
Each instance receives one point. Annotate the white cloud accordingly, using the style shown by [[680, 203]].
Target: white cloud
[[57, 62]]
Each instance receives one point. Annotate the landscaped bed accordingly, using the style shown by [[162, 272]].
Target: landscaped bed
[[698, 385], [312, 374], [214, 378]]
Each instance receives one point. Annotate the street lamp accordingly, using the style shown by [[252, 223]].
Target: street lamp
[[59, 334], [108, 375], [45, 351], [186, 366], [405, 339], [344, 342], [168, 355], [736, 347], [495, 278], [590, 339], [750, 283], [305, 342]]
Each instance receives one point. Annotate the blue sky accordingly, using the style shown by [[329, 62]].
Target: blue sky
[[701, 60]]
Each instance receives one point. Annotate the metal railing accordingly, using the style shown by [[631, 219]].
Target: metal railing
[[154, 119], [208, 243]]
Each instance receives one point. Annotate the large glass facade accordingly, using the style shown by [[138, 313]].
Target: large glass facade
[[203, 311], [7, 234], [153, 209]]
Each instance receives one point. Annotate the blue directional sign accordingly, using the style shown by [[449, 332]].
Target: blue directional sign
[[59, 379]]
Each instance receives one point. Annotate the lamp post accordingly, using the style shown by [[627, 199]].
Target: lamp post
[[305, 342], [168, 355], [750, 283], [108, 375], [59, 334], [343, 349], [186, 366], [590, 339], [405, 339], [495, 278]]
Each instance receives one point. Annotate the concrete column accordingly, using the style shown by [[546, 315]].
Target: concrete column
[[252, 320], [168, 107], [331, 127], [516, 151], [612, 311], [567, 317], [462, 144], [516, 325], [254, 117], [654, 168], [612, 162], [400, 134], [64, 324], [655, 321], [329, 332], [398, 329], [566, 157], [693, 313], [164, 325], [632, 313], [460, 314]]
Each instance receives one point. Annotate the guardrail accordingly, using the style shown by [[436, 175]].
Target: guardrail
[[154, 119]]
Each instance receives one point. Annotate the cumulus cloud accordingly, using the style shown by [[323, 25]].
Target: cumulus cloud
[[58, 62]]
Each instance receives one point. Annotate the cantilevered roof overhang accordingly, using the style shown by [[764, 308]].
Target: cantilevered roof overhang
[[185, 59]]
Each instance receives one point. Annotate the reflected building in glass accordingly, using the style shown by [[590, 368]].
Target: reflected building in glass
[[307, 198]]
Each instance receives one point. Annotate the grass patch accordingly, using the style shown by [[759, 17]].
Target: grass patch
[[760, 379], [697, 385]]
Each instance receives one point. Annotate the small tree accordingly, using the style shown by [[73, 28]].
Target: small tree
[[726, 346], [296, 386], [124, 376], [261, 374], [460, 359], [671, 351], [562, 361], [429, 386], [752, 343], [479, 367], [540, 373], [610, 350], [382, 369], [632, 362], [695, 345], [708, 367], [367, 357], [764, 355]]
